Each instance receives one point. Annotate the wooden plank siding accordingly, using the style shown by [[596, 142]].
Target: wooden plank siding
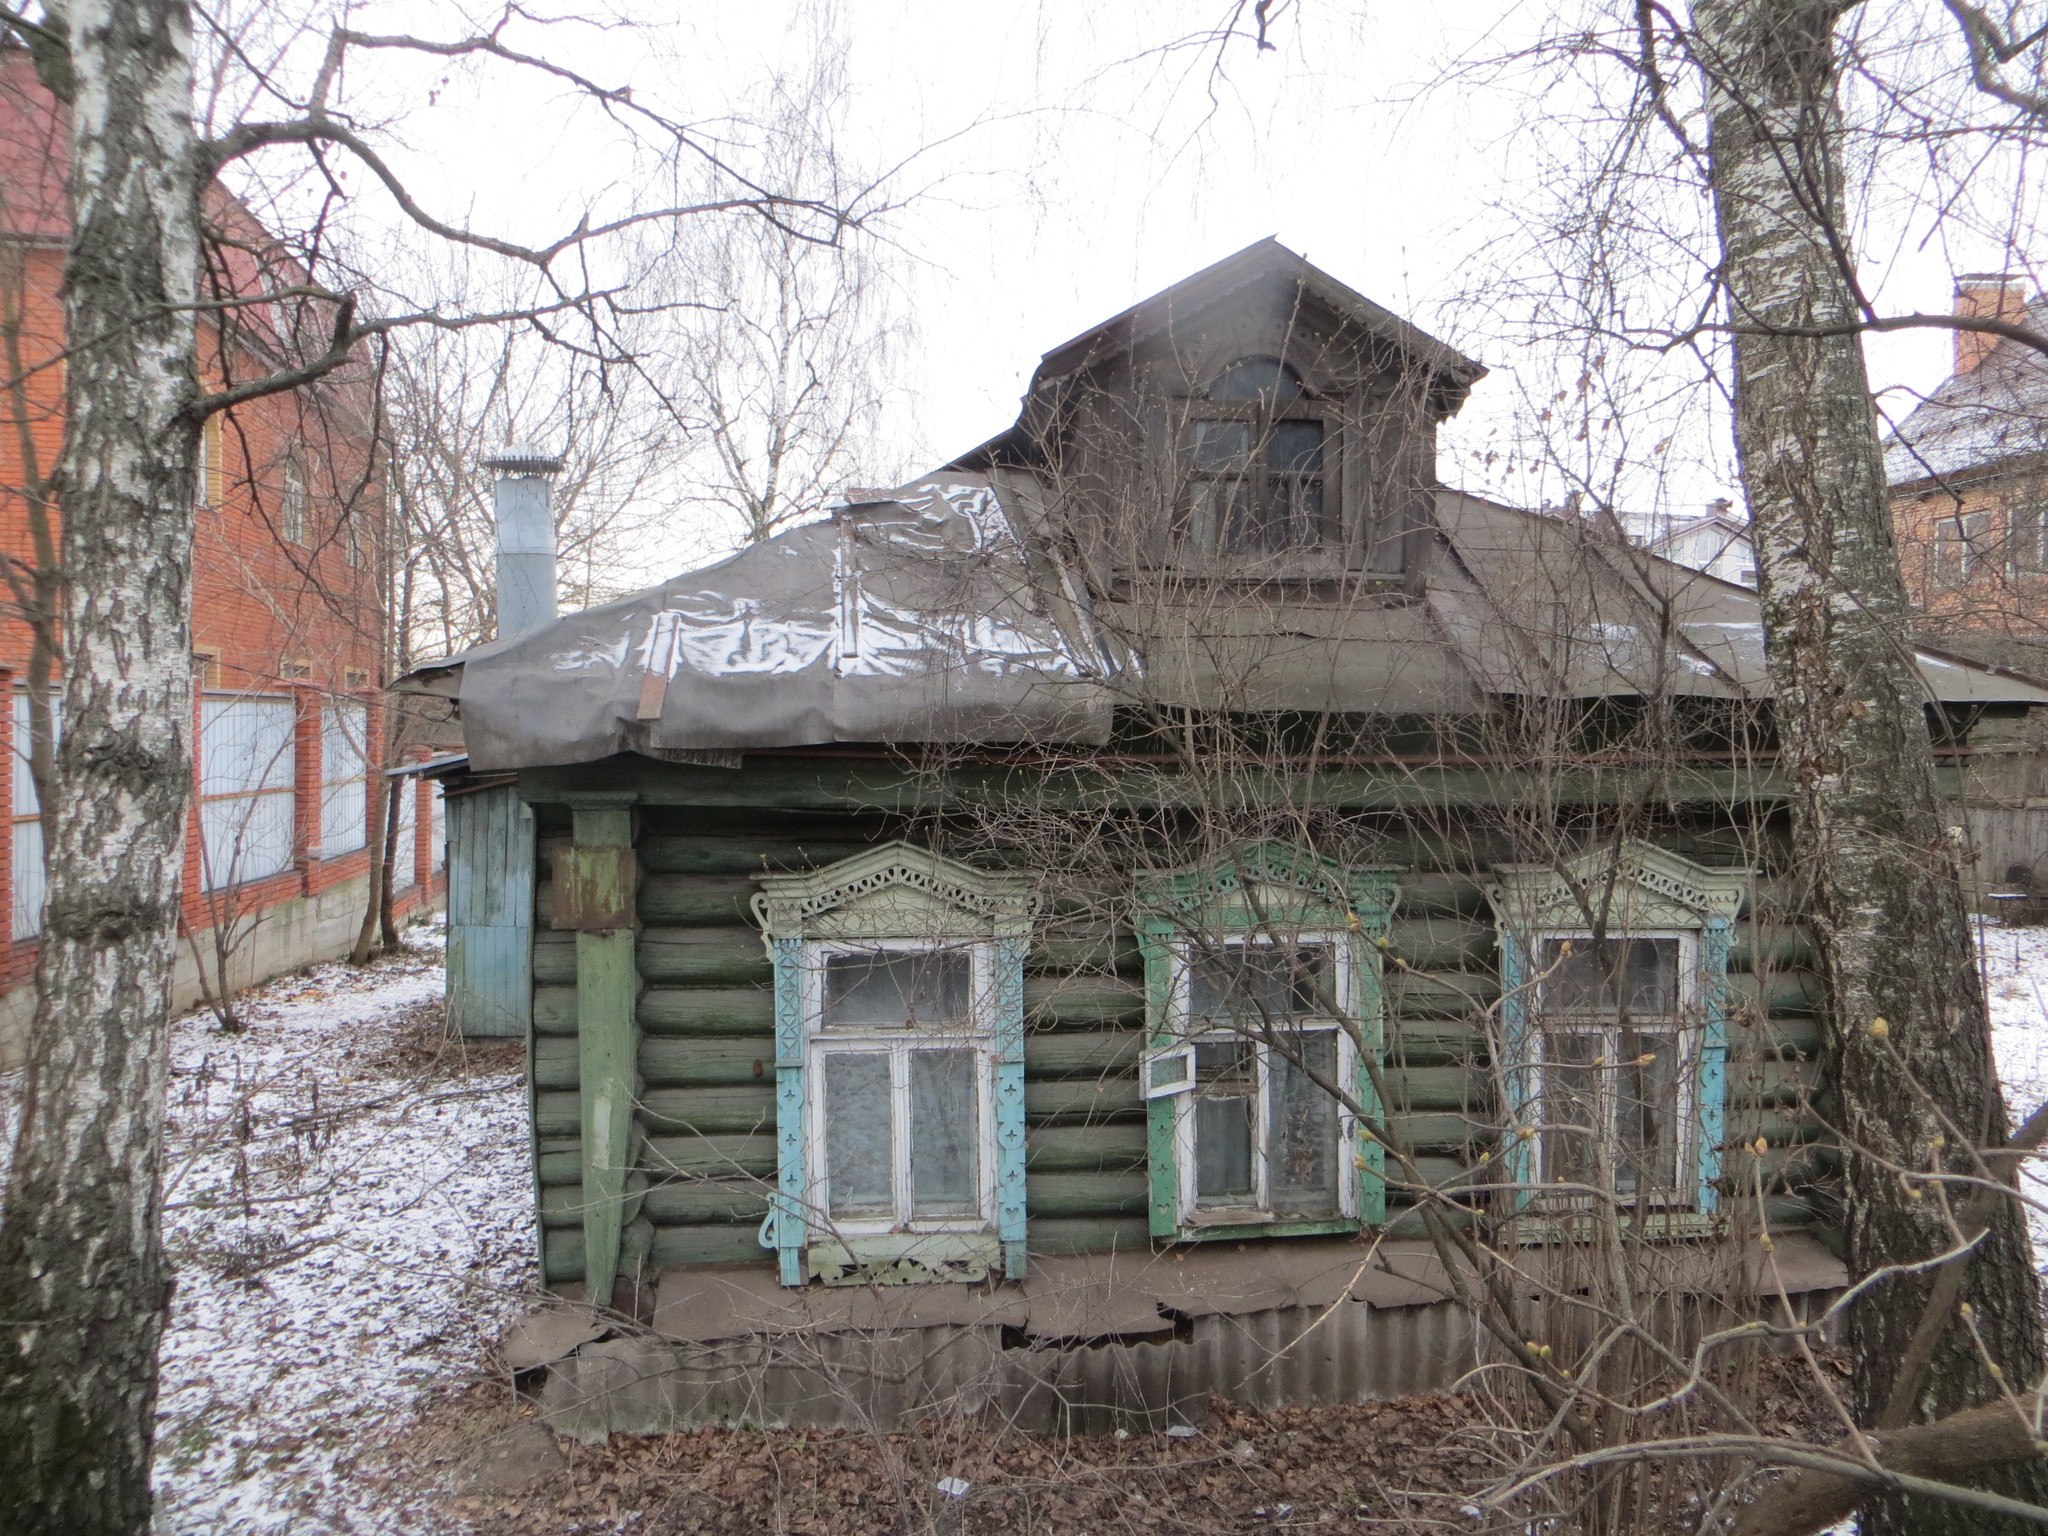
[[705, 1052]]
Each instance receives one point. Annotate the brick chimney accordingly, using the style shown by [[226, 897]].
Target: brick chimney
[[1985, 295]]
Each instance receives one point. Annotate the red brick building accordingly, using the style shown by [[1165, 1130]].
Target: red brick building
[[1968, 469], [286, 622]]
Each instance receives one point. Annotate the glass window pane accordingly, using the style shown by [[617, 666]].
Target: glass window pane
[[1588, 976], [1569, 1110], [28, 878], [945, 1127], [859, 1166], [1256, 378], [1258, 525], [1301, 1168], [1220, 445], [1296, 448], [1226, 1086], [1252, 985], [1646, 1112], [896, 987]]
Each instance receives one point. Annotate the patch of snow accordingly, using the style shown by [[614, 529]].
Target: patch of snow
[[2016, 978], [349, 1233]]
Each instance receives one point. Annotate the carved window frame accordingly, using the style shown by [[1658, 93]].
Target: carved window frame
[[1274, 893], [1633, 891], [896, 895]]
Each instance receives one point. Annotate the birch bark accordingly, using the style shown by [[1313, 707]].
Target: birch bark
[[1891, 924], [82, 1280]]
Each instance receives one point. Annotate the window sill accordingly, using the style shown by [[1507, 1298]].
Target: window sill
[[1204, 1231], [1665, 1223]]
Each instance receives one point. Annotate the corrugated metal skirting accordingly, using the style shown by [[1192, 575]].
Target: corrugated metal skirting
[[1283, 1356]]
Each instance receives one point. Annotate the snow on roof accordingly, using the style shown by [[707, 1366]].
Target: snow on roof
[[1996, 411]]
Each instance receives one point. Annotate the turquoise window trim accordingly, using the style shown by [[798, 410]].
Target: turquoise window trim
[[785, 1229], [1010, 955], [1648, 890], [1306, 893], [1712, 1086], [1517, 1019], [895, 892]]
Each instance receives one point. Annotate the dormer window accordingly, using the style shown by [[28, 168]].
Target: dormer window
[[1255, 452]]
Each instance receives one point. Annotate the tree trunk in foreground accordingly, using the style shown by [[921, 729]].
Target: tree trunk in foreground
[[1891, 924], [82, 1280]]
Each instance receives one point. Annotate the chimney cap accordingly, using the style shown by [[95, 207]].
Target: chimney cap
[[524, 459]]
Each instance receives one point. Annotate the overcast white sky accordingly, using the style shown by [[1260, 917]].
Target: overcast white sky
[[1070, 159]]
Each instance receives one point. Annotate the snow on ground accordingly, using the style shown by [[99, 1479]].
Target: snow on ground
[[350, 1220], [2016, 971]]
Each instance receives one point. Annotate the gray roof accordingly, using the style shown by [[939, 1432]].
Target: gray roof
[[940, 613], [1995, 412]]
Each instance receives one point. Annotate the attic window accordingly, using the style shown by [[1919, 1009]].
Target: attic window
[[1257, 378], [1255, 455]]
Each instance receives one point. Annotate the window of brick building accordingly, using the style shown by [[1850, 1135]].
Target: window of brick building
[[28, 828], [247, 768], [344, 776], [2023, 549]]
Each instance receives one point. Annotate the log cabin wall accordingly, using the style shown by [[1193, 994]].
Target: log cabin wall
[[703, 1014]]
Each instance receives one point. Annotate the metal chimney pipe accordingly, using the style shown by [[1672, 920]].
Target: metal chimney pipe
[[525, 511]]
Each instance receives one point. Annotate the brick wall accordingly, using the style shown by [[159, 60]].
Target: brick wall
[[287, 542]]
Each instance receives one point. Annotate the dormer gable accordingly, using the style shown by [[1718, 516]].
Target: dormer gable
[[1258, 417]]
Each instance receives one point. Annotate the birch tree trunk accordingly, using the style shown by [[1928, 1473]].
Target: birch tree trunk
[[1891, 924], [82, 1280]]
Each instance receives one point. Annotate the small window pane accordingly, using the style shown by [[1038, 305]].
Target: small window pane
[[1569, 1108], [896, 988], [1256, 378], [1253, 985], [1647, 1112], [1301, 1171], [945, 1123], [1226, 1078], [1220, 445], [1587, 976], [1296, 448], [859, 1167]]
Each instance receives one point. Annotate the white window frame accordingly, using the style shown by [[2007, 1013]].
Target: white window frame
[[1688, 1025], [31, 885], [340, 831], [221, 858], [978, 1035], [1191, 1212]]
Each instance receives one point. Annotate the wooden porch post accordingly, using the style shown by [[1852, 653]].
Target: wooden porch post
[[595, 880]]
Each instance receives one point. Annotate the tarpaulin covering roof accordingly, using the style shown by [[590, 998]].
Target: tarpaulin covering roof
[[933, 615], [915, 617]]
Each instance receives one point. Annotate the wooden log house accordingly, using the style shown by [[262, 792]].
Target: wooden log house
[[1035, 938]]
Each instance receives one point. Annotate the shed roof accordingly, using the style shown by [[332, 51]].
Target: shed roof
[[936, 614], [1994, 413]]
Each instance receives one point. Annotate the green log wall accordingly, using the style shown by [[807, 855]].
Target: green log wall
[[706, 1062]]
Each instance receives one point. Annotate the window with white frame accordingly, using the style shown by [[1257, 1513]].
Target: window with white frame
[[901, 1055], [30, 888], [247, 768], [405, 837], [1617, 1045], [1262, 1058], [899, 1066], [1263, 991], [344, 776], [1614, 1023]]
